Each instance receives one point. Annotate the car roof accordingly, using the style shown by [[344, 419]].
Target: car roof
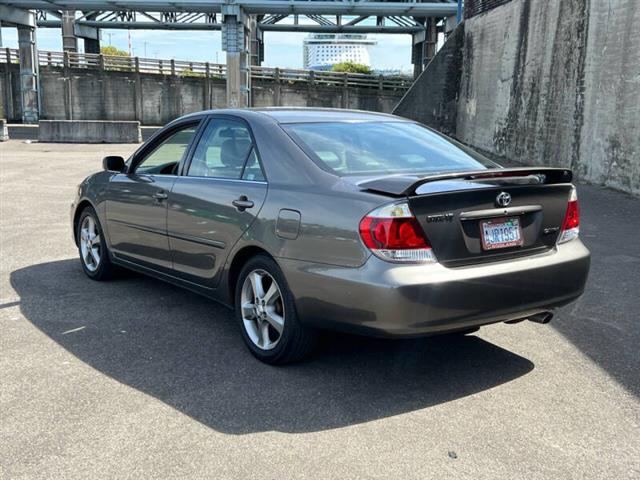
[[305, 115], [308, 115]]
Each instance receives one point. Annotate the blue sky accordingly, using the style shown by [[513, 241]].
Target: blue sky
[[281, 49]]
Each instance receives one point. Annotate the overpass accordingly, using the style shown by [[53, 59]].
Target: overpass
[[85, 86], [242, 23]]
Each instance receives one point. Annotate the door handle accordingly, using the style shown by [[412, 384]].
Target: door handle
[[242, 203], [161, 195]]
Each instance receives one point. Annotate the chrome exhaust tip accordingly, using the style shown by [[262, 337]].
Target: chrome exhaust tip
[[543, 318]]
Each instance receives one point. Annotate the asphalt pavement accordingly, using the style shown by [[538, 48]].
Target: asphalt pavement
[[135, 378]]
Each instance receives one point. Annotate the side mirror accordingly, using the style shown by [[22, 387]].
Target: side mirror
[[113, 163]]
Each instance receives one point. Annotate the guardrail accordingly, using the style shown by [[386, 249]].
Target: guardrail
[[9, 55], [330, 78], [130, 64], [209, 70]]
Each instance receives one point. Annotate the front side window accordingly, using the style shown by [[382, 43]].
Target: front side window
[[164, 159], [222, 150], [364, 148]]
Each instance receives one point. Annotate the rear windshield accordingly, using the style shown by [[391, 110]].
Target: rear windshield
[[383, 147]]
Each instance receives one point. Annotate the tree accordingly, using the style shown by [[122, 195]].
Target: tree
[[113, 51], [351, 67]]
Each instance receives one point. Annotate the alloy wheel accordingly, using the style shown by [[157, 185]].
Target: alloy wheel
[[262, 307], [90, 243]]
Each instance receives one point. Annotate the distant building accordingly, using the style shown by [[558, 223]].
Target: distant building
[[322, 50]]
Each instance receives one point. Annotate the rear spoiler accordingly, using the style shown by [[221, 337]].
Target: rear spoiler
[[402, 185]]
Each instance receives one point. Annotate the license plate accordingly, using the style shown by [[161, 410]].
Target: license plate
[[500, 233]]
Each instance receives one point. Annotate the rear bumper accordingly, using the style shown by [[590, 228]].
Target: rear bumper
[[385, 299]]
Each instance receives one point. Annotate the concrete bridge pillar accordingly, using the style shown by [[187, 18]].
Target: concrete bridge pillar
[[424, 45], [235, 41], [72, 31], [29, 94], [69, 39], [256, 44], [25, 21]]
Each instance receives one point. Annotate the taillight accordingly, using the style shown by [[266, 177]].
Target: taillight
[[392, 233], [571, 224]]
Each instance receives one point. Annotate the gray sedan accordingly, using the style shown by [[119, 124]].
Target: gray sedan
[[309, 219]]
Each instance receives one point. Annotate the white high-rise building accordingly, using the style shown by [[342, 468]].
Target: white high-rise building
[[321, 50]]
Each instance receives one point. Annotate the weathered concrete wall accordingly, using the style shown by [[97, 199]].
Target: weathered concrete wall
[[434, 95], [81, 94], [266, 94], [151, 99], [476, 7], [89, 131], [519, 97], [610, 137], [10, 85], [552, 82]]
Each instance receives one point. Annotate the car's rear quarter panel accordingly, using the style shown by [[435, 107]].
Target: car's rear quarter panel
[[328, 230]]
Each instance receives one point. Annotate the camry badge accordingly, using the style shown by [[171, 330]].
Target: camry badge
[[503, 199]]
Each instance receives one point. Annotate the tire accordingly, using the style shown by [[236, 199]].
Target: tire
[[259, 322], [96, 265]]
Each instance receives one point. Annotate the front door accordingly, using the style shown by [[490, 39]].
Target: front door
[[216, 200], [137, 201]]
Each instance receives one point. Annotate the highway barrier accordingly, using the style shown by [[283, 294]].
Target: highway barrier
[[89, 131]]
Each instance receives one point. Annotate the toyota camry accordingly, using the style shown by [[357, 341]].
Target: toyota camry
[[313, 219]]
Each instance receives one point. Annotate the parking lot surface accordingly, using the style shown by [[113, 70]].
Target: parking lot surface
[[135, 378]]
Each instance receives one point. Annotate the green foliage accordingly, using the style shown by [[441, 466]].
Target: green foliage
[[188, 72], [113, 51], [351, 67]]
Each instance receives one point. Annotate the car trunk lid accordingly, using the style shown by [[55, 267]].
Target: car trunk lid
[[462, 213]]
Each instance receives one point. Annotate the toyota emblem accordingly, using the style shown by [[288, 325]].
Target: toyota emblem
[[503, 199]]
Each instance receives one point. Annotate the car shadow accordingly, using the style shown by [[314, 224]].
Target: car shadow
[[187, 352]]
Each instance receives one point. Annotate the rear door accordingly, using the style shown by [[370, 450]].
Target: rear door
[[215, 200], [137, 200]]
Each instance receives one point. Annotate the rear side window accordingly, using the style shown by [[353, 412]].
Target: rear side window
[[222, 150], [382, 148], [252, 170]]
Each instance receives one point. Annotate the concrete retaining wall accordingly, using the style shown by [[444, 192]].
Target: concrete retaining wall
[[520, 85], [610, 137], [89, 131], [550, 83], [152, 99], [433, 97]]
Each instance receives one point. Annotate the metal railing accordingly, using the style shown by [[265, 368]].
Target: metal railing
[[330, 78], [9, 55], [209, 70]]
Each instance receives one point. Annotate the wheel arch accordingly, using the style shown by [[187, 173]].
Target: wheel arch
[[240, 258], [76, 216]]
